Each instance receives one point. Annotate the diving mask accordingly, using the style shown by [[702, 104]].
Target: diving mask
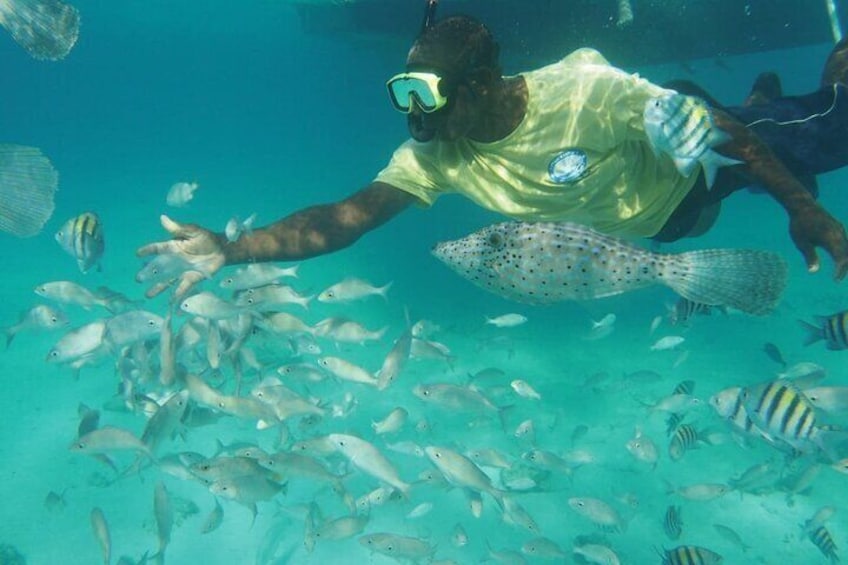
[[422, 88]]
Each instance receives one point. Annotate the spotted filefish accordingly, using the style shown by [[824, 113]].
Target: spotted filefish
[[546, 262], [682, 128], [82, 238]]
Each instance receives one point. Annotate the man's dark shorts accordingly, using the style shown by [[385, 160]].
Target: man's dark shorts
[[808, 133]]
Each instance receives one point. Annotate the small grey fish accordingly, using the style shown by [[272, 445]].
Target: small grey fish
[[101, 532], [40, 317], [546, 262], [682, 127], [82, 238], [773, 353]]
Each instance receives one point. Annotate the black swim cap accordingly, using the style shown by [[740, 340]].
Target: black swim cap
[[455, 46]]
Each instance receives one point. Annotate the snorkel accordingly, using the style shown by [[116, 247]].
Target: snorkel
[[420, 125]]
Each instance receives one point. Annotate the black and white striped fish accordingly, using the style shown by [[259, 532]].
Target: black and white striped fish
[[684, 310], [682, 128], [782, 412], [685, 437], [546, 262], [672, 522], [822, 539], [729, 404], [832, 329], [82, 238], [690, 555]]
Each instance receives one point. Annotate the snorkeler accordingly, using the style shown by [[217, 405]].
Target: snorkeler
[[562, 143]]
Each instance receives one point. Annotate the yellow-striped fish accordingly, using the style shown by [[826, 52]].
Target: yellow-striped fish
[[782, 413], [690, 555], [682, 128], [822, 539], [832, 329], [82, 238]]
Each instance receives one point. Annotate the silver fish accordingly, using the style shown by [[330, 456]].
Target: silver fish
[[546, 262], [235, 227], [41, 317], [181, 193], [682, 128], [101, 532], [352, 289], [82, 238], [257, 274]]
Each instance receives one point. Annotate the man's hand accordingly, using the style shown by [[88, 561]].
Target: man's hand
[[196, 246], [811, 227]]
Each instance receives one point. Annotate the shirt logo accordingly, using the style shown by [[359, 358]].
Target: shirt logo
[[568, 166]]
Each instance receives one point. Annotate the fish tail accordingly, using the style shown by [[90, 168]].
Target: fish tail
[[27, 191], [748, 280], [814, 333], [712, 162]]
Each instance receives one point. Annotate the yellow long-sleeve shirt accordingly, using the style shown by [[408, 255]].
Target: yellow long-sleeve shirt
[[580, 154]]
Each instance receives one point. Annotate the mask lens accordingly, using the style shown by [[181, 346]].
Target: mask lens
[[403, 89]]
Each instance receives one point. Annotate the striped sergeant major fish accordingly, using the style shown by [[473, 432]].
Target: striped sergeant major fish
[[672, 522], [682, 127], [685, 437], [682, 312], [82, 238], [690, 555], [784, 414], [824, 541], [832, 329], [728, 404]]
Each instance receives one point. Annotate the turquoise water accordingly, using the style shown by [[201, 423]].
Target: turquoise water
[[267, 119]]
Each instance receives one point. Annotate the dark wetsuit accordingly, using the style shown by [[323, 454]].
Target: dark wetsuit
[[808, 133]]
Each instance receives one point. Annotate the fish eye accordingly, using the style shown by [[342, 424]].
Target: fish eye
[[151, 323], [580, 503], [228, 281], [54, 319]]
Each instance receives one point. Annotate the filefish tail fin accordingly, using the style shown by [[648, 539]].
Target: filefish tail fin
[[748, 280], [27, 185], [814, 332], [47, 29], [712, 162]]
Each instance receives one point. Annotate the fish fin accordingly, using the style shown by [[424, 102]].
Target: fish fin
[[27, 186], [47, 29], [685, 165], [712, 162], [748, 280], [814, 332]]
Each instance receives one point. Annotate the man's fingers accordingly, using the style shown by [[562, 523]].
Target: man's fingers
[[187, 281], [157, 289], [808, 250], [173, 228], [158, 248]]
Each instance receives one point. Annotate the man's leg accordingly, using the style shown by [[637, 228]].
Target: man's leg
[[765, 89]]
